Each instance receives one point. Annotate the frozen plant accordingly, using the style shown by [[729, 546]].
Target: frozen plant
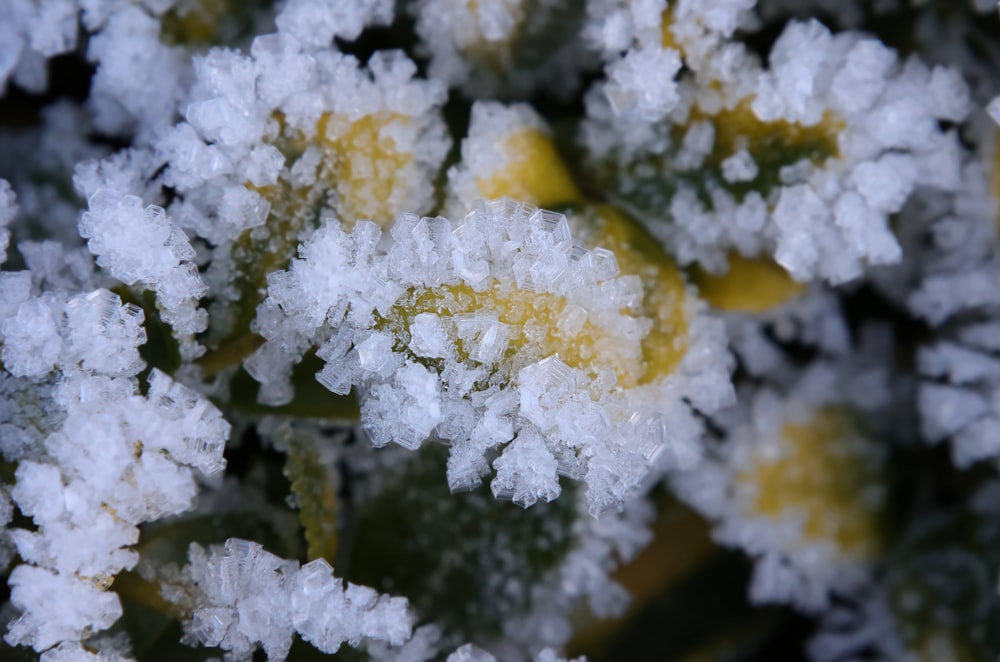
[[560, 329], [510, 335]]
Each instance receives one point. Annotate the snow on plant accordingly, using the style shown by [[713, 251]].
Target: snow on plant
[[263, 154], [803, 160], [502, 332], [503, 48], [799, 483], [119, 458], [297, 297], [244, 595]]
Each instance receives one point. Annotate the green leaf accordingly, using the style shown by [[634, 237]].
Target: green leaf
[[160, 350], [314, 486], [646, 185], [941, 583], [466, 561], [312, 399]]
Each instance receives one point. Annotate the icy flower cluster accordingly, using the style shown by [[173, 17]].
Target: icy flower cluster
[[481, 311], [799, 483], [537, 319], [116, 458], [861, 132]]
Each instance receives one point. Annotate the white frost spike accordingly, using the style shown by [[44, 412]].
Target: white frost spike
[[248, 596], [641, 85], [117, 458], [31, 340], [994, 109], [56, 608], [104, 335], [543, 386], [485, 337], [139, 80], [428, 338], [320, 604], [75, 652], [141, 245], [527, 471], [404, 411], [198, 430], [243, 208]]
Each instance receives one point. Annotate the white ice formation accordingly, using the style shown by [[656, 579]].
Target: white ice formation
[[955, 292], [504, 48], [777, 486], [453, 377], [8, 210], [119, 458], [140, 245], [29, 34], [246, 597], [826, 215]]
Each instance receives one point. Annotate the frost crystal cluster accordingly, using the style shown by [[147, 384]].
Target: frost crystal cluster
[[245, 595], [499, 330], [477, 371]]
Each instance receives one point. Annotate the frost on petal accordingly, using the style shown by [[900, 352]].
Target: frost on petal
[[798, 486], [803, 160], [561, 349]]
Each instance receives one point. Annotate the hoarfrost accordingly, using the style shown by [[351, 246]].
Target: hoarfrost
[[247, 597], [561, 419]]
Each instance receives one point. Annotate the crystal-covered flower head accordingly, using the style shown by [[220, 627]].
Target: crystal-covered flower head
[[503, 334]]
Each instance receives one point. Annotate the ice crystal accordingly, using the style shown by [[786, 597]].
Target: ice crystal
[[466, 295]]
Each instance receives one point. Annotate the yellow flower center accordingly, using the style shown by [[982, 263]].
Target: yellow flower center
[[828, 475], [541, 324], [368, 168]]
